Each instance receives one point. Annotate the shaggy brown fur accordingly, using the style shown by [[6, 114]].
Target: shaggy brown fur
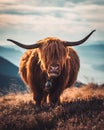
[[34, 65]]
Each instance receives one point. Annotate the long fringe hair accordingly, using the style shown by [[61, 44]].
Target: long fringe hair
[[52, 50]]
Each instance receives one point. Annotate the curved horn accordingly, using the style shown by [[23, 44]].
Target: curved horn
[[78, 42], [24, 46]]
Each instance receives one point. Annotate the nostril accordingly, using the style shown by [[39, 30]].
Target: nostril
[[56, 68], [51, 67]]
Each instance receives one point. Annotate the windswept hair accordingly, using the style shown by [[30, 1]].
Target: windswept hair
[[52, 49]]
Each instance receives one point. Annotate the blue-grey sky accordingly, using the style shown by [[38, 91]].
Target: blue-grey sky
[[32, 20]]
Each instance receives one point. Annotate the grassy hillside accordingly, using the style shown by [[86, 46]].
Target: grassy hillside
[[80, 109], [11, 84]]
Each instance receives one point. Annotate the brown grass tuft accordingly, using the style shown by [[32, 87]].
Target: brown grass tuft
[[80, 109]]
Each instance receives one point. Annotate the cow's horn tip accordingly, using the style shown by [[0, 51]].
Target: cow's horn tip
[[94, 30], [8, 39]]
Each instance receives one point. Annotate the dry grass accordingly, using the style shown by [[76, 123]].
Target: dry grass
[[80, 109]]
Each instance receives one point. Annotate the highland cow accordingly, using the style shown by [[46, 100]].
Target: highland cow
[[48, 67]]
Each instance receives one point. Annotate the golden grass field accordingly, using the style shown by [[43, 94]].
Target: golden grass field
[[80, 109]]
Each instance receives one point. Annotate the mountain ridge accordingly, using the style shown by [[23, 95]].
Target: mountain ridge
[[8, 68]]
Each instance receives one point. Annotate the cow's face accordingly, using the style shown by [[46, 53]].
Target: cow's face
[[52, 55]]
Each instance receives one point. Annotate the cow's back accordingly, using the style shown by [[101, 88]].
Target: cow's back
[[74, 64]]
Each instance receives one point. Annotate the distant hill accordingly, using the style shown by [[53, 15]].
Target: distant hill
[[99, 46], [7, 68], [9, 78]]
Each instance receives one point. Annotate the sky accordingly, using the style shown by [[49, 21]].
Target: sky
[[28, 21], [31, 20]]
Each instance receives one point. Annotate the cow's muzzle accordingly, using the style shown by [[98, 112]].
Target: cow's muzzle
[[54, 71]]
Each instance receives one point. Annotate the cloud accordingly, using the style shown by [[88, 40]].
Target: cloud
[[60, 3], [78, 14], [46, 20], [7, 1]]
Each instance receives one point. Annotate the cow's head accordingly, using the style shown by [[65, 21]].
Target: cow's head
[[52, 53]]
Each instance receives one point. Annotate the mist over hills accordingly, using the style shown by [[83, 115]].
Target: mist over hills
[[96, 46], [11, 54], [92, 53], [91, 61]]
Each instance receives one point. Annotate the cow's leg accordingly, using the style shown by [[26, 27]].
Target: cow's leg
[[38, 99], [54, 98], [44, 100]]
